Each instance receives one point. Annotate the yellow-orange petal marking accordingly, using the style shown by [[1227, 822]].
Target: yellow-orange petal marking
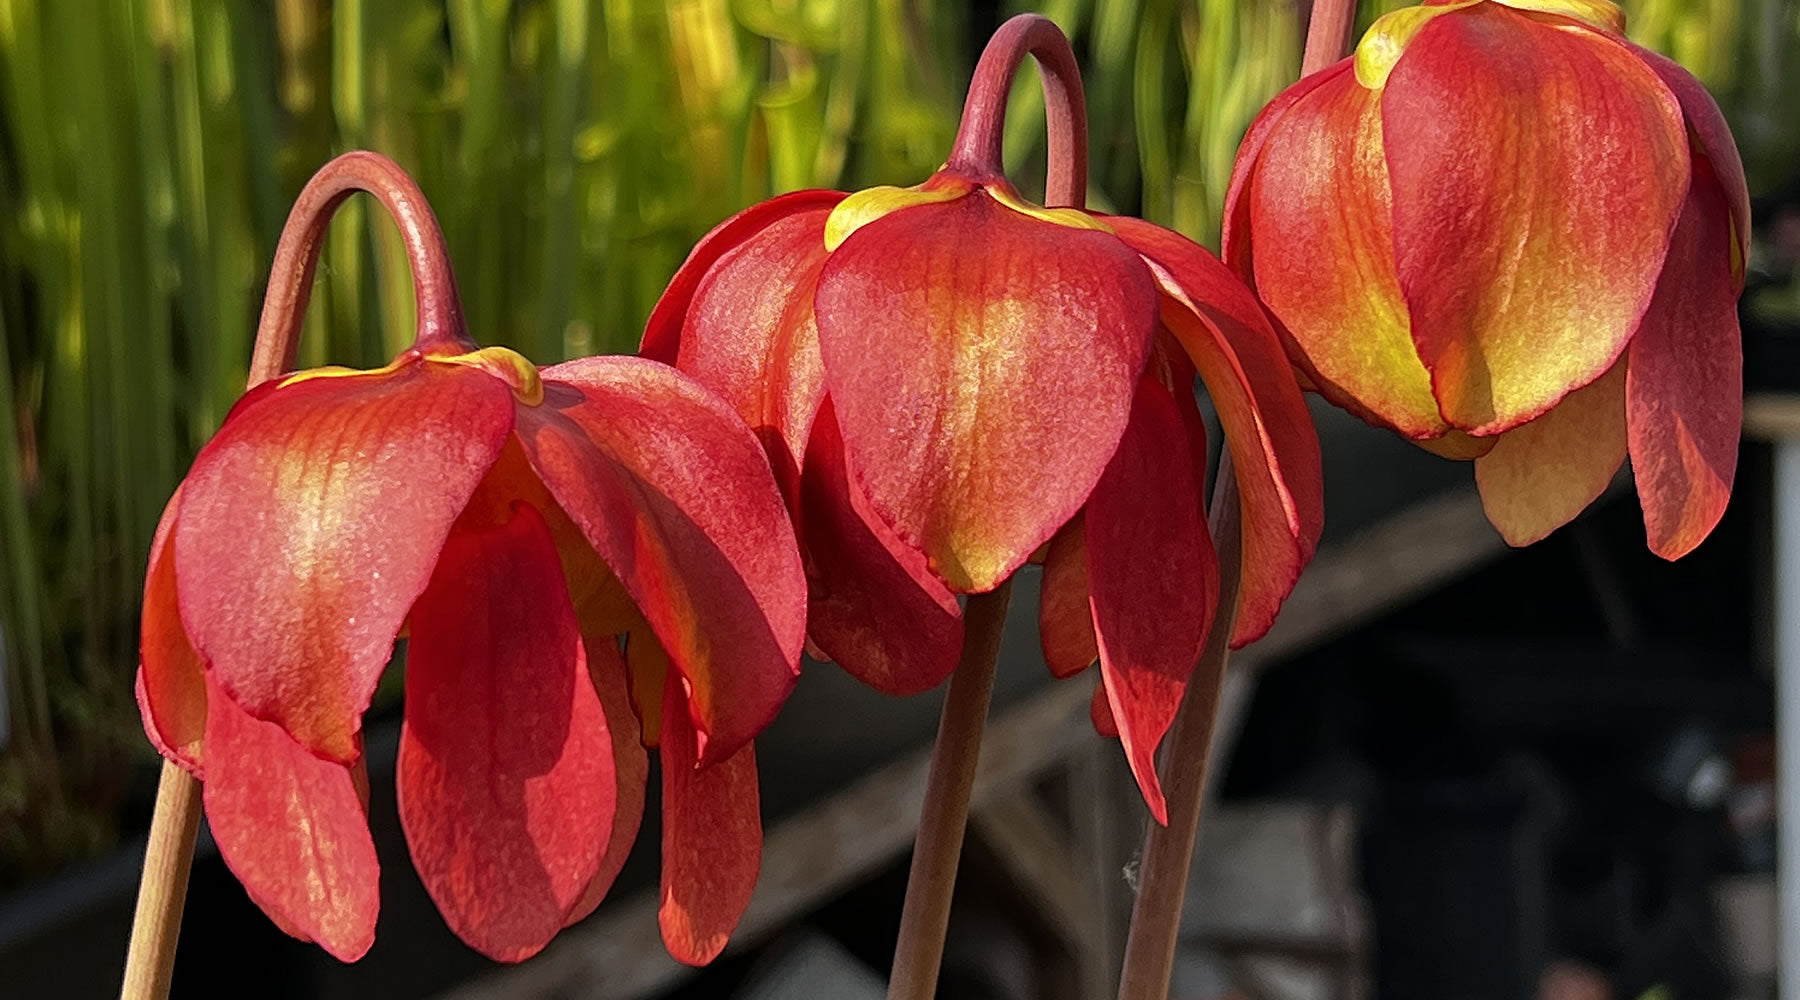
[[1386, 40], [869, 204], [503, 363], [1601, 14], [1540, 475], [1074, 218]]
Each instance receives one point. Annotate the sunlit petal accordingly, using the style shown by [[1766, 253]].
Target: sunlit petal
[[312, 521], [505, 775], [1684, 387], [1153, 579], [712, 838], [1511, 146], [292, 828], [675, 494], [955, 337], [875, 608]]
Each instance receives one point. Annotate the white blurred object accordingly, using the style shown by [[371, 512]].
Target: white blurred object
[[1744, 906]]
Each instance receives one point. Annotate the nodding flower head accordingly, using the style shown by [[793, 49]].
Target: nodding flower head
[[947, 377], [586, 560], [1513, 236]]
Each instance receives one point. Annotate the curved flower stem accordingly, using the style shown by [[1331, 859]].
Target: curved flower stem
[[168, 857], [1327, 34], [976, 151], [1168, 851], [440, 319], [938, 847]]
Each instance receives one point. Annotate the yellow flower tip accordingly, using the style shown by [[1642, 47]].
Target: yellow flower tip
[[1602, 14], [340, 371], [329, 371], [508, 366], [869, 204], [1386, 40], [1070, 217]]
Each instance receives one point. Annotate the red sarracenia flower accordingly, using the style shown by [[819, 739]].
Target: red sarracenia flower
[[947, 376], [1511, 235], [514, 524]]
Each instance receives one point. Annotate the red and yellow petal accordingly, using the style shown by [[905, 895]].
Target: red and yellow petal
[[311, 522], [1153, 579], [1317, 201], [293, 828], [954, 336], [1541, 474], [1268, 430], [663, 332], [505, 776], [1709, 132], [1684, 387], [747, 332], [171, 680], [1235, 244], [675, 494], [631, 767], [1510, 145], [1065, 620], [874, 608], [712, 838]]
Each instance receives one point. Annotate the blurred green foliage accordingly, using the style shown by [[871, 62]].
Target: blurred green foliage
[[573, 149], [149, 149]]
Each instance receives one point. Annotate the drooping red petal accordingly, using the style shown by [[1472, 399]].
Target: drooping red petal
[[171, 682], [1153, 579], [1684, 384], [954, 337], [1235, 247], [1065, 621], [748, 334], [675, 494], [1316, 199], [505, 778], [1541, 474], [1511, 145], [631, 768], [663, 331], [875, 608], [311, 522], [293, 828], [601, 604], [1100, 711], [1274, 448], [1706, 124], [712, 838]]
